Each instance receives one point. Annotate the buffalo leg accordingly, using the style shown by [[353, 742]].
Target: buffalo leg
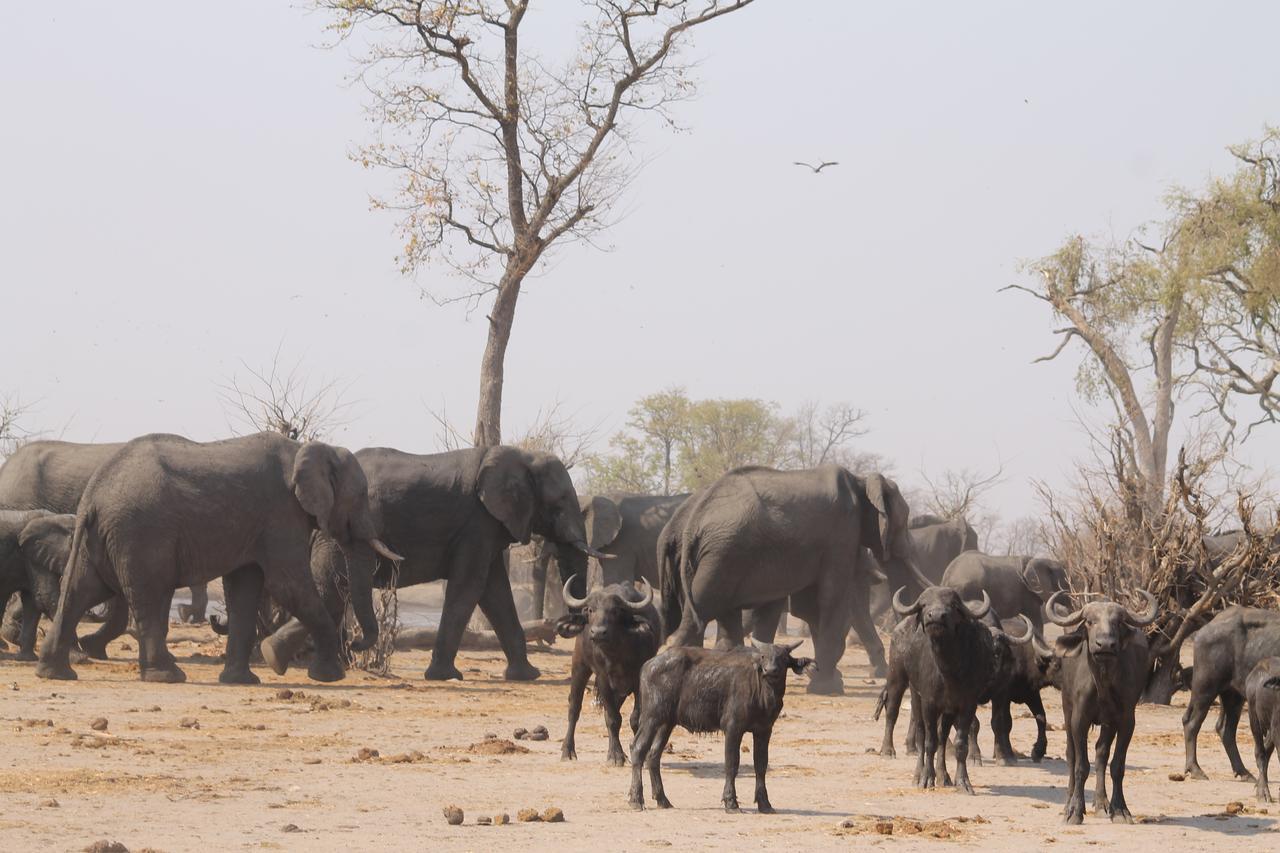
[[1119, 809], [1001, 726], [639, 756], [945, 722], [892, 706], [1192, 719], [242, 589], [1078, 743], [654, 762], [1042, 741], [1101, 752], [928, 722], [966, 730], [915, 739], [577, 686], [1228, 722], [760, 756], [732, 755], [613, 721], [1261, 755]]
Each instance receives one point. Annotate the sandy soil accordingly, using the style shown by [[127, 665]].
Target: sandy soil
[[210, 767]]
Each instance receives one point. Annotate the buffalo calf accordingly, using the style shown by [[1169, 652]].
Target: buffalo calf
[[617, 629], [707, 690]]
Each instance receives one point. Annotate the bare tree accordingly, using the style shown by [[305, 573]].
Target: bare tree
[[821, 435], [501, 153], [283, 400], [12, 433], [958, 493], [555, 431]]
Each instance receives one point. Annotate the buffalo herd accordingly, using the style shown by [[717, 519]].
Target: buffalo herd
[[304, 524]]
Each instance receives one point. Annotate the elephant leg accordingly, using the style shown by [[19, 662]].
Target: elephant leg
[[11, 628], [30, 621], [150, 609], [828, 637], [242, 589], [82, 588], [729, 633], [115, 624], [860, 615], [765, 620], [195, 612], [499, 607], [298, 595], [467, 582]]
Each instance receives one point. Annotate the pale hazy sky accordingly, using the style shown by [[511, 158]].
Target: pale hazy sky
[[176, 197]]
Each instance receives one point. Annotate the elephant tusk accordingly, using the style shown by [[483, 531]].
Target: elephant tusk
[[383, 551], [592, 552]]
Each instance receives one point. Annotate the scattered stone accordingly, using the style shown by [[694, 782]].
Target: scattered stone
[[537, 733], [285, 694], [1177, 777], [484, 820], [553, 815], [411, 757], [189, 723], [106, 846], [366, 754], [520, 734], [50, 803], [290, 827], [528, 816], [847, 823], [453, 815], [1234, 807], [99, 725], [501, 819]]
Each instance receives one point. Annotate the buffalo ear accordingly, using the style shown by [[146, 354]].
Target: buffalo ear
[[1069, 645], [800, 665], [603, 521], [315, 470], [505, 486]]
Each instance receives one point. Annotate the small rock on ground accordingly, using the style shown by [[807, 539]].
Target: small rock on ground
[[453, 815]]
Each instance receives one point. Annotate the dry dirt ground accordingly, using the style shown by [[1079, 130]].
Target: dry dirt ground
[[200, 766]]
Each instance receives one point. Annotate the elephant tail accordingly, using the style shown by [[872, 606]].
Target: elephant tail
[[881, 702]]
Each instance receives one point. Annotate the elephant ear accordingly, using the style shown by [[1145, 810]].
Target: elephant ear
[[604, 520], [46, 542], [884, 522], [315, 471], [1031, 577], [505, 486]]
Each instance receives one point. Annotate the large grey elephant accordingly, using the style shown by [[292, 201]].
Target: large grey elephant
[[165, 512], [935, 542], [625, 527], [757, 536], [1016, 584], [18, 576], [453, 515], [52, 475]]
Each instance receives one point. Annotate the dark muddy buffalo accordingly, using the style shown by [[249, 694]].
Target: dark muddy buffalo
[[617, 629], [1262, 689], [951, 661], [1226, 651], [1027, 675], [705, 690], [1103, 661]]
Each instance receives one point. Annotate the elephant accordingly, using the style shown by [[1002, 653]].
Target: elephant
[[453, 515], [935, 542], [757, 535], [52, 475], [1016, 584], [623, 526], [165, 511], [17, 576]]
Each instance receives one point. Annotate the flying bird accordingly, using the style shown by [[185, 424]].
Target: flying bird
[[818, 168]]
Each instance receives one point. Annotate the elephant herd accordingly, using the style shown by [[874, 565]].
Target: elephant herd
[[315, 527]]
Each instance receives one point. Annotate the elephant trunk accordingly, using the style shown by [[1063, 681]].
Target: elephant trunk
[[360, 566], [572, 564]]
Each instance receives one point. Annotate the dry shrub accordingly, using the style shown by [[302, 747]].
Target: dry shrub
[[377, 658], [1112, 544]]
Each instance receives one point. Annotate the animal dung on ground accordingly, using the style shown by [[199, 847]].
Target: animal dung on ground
[[106, 846], [453, 815], [484, 820], [99, 725], [50, 803], [528, 816], [366, 753], [1177, 777], [553, 815], [501, 819], [496, 746], [535, 733], [189, 723]]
